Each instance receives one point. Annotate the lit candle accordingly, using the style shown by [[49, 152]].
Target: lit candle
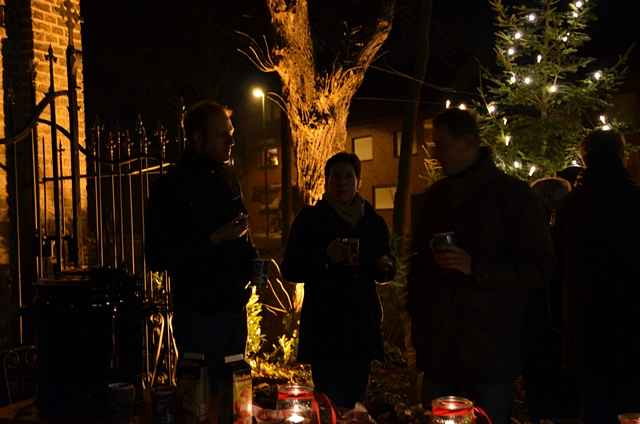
[[295, 418]]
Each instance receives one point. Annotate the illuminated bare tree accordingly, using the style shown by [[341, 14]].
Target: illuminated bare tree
[[316, 101]]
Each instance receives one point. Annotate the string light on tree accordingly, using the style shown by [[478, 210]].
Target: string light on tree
[[603, 119], [541, 85], [532, 170], [606, 127], [447, 104], [462, 106], [491, 108]]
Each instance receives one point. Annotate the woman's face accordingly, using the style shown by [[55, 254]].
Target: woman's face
[[342, 184]]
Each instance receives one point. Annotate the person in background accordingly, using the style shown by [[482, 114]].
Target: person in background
[[340, 248], [598, 229], [545, 381]]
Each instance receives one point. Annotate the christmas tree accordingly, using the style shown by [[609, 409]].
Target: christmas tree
[[545, 95]]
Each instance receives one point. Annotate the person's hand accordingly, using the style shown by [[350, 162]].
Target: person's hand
[[337, 251], [453, 258], [232, 230], [384, 264]]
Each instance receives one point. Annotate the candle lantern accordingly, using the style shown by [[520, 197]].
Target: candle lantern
[[455, 410], [629, 418], [298, 403]]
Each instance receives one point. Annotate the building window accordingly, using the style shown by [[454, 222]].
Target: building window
[[383, 197], [269, 157], [397, 141], [363, 148]]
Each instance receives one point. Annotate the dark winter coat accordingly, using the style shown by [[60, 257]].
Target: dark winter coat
[[468, 328], [185, 207], [599, 230], [341, 312]]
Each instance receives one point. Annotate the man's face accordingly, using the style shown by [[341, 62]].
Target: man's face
[[453, 153], [342, 184], [216, 141]]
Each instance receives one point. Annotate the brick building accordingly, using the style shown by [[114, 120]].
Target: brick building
[[373, 136], [28, 29]]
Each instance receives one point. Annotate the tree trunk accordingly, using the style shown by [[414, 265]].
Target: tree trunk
[[409, 124], [403, 190], [317, 102]]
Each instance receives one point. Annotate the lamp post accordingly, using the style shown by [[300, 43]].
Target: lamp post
[[259, 93]]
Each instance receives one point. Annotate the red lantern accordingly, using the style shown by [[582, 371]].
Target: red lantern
[[299, 404], [629, 418], [455, 410]]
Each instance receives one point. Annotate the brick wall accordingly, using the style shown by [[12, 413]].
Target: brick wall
[[5, 227], [31, 26], [4, 206], [49, 29]]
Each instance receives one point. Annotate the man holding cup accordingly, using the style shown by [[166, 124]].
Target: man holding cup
[[198, 232], [480, 244]]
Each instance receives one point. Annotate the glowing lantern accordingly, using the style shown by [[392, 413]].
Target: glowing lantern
[[455, 410], [297, 404]]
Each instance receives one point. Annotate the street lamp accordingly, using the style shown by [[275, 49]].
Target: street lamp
[[259, 93]]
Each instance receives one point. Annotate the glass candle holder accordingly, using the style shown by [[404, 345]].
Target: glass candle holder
[[296, 403]]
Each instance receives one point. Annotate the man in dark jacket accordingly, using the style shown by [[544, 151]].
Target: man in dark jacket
[[198, 232], [599, 232], [467, 301]]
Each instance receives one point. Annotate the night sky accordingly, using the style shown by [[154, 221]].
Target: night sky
[[142, 55]]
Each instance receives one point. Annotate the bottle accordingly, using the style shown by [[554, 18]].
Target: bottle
[[193, 388], [237, 398]]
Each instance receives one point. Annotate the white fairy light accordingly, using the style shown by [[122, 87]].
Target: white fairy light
[[539, 58], [527, 80], [511, 51], [579, 4], [504, 121], [532, 170], [574, 163], [606, 127], [532, 17], [603, 119], [597, 75], [552, 88], [513, 79], [517, 164], [507, 140], [491, 108], [518, 35], [565, 37], [462, 106], [447, 104]]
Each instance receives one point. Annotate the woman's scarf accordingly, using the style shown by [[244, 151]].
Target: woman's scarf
[[351, 212]]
